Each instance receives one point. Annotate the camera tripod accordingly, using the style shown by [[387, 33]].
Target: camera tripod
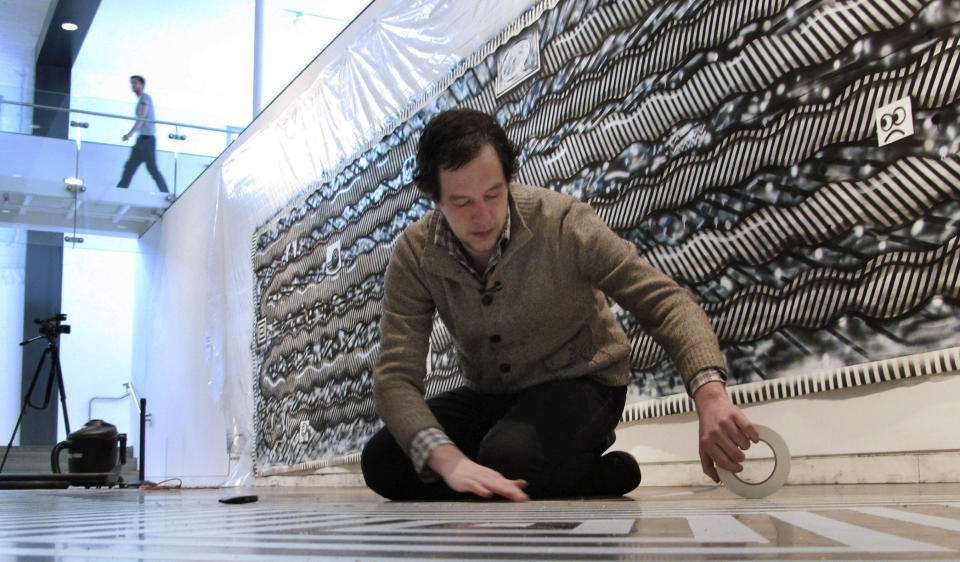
[[56, 374]]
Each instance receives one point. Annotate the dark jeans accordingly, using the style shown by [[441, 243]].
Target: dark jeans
[[144, 150], [551, 435]]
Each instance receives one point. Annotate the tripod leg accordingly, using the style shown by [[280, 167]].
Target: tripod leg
[[23, 409], [57, 371]]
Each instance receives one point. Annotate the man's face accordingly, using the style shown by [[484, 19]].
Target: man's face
[[473, 199], [136, 86]]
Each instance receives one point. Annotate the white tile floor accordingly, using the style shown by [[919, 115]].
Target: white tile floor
[[797, 522]]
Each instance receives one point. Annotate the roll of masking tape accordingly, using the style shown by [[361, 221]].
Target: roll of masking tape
[[781, 469]]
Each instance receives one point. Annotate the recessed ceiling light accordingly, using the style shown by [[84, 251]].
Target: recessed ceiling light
[[67, 26]]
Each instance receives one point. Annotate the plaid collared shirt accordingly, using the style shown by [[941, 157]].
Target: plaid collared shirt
[[703, 376], [445, 238], [423, 442]]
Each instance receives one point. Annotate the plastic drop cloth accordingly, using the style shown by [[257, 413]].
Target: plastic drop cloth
[[673, 125]]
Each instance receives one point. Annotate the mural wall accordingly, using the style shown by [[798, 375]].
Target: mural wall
[[793, 163]]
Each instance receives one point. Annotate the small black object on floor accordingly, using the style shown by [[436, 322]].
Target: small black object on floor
[[239, 499]]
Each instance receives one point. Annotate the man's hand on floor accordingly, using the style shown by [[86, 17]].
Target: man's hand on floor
[[464, 475]]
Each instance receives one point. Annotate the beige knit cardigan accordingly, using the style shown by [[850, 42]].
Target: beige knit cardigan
[[542, 315]]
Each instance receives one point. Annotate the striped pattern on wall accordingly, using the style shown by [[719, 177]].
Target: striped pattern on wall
[[734, 142]]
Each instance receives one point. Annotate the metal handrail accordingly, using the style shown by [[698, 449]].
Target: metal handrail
[[114, 398], [136, 399], [99, 114], [130, 392]]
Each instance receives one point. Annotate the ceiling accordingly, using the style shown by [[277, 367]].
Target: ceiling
[[20, 24]]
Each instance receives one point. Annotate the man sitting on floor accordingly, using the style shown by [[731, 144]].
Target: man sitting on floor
[[520, 276]]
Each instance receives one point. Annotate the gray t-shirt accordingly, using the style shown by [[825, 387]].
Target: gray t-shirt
[[148, 127]]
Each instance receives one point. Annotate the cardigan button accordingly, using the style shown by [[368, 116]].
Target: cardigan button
[[505, 367], [495, 338], [487, 300]]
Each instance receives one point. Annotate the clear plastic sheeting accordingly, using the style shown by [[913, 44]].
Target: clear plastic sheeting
[[390, 68], [739, 150]]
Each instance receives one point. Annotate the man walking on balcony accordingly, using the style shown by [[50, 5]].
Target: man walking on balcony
[[145, 149]]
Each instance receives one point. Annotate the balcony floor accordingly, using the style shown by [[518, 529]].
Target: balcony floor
[[893, 522]]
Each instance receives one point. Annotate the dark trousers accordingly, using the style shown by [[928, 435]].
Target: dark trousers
[[551, 435], [144, 150]]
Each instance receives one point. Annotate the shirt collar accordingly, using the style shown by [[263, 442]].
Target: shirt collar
[[445, 238]]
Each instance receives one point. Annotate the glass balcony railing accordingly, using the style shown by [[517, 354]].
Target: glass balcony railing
[[63, 159], [101, 120]]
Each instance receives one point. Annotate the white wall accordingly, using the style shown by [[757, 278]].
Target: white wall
[[13, 252], [185, 437], [98, 298], [919, 414], [894, 419]]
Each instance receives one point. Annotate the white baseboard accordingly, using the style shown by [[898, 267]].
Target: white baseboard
[[186, 481], [886, 468]]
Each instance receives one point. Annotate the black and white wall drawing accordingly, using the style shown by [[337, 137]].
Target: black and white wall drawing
[[794, 164]]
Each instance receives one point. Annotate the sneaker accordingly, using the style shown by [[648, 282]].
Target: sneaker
[[616, 474]]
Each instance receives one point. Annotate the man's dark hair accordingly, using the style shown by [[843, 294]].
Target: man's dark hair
[[454, 138], [140, 78]]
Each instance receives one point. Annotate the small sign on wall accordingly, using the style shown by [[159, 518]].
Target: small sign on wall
[[894, 121], [333, 262], [517, 61]]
